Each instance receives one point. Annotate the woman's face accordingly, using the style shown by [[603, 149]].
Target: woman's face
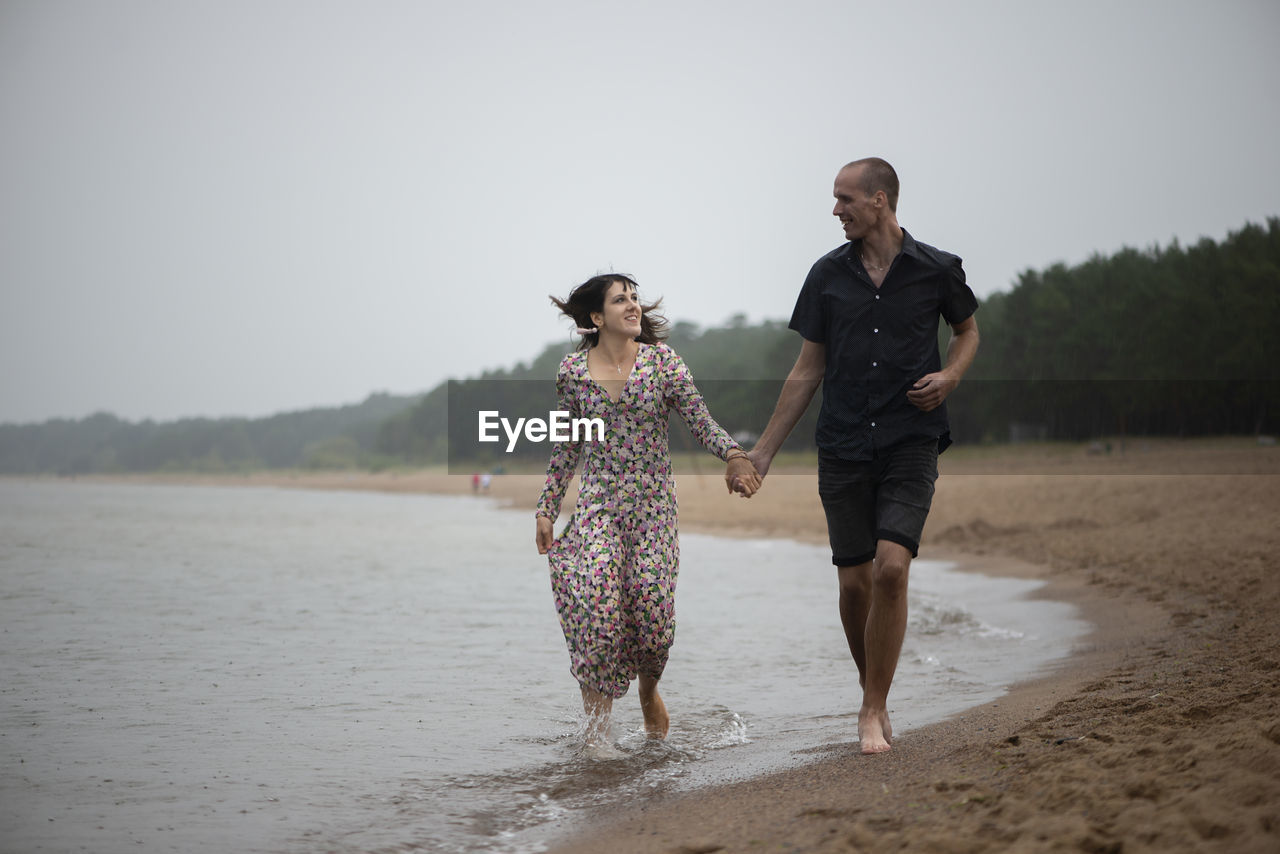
[[621, 314]]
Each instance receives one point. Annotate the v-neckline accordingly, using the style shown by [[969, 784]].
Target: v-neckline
[[626, 380]]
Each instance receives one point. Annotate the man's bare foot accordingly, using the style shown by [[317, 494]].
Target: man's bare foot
[[656, 719], [875, 732]]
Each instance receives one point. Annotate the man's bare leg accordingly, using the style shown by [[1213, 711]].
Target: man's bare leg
[[855, 602], [656, 719], [886, 627]]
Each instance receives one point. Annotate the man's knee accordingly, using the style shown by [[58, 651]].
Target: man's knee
[[890, 570], [855, 581]]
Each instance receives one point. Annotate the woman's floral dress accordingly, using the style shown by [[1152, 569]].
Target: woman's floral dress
[[614, 567]]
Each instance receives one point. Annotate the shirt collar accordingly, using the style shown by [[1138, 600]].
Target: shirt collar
[[909, 246]]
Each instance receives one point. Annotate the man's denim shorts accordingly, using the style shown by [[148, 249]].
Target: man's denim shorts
[[886, 498]]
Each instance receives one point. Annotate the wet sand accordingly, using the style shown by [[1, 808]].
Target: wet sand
[[1161, 732]]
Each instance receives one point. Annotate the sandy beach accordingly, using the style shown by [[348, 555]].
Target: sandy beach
[[1160, 733]]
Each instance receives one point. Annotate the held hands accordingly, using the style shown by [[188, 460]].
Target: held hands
[[930, 390], [544, 535], [741, 476]]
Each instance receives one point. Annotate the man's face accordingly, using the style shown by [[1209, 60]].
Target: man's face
[[857, 211]]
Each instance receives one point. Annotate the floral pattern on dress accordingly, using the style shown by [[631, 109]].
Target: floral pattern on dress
[[614, 567]]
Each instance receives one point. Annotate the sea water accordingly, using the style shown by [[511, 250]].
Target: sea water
[[258, 670]]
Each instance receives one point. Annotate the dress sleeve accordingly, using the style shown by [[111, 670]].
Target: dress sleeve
[[564, 455], [683, 396]]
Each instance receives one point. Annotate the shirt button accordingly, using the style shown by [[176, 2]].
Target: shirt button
[[875, 364], [875, 330], [873, 423], [877, 296]]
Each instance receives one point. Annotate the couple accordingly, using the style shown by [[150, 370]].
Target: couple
[[868, 315]]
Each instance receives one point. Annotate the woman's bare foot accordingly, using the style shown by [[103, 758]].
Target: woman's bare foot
[[601, 751], [596, 708], [874, 731], [656, 720]]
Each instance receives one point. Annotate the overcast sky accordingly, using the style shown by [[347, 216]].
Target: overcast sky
[[242, 208]]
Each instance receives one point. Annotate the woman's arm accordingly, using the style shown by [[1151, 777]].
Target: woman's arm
[[561, 466], [685, 398]]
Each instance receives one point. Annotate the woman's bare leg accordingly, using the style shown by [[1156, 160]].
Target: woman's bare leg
[[656, 720], [597, 707]]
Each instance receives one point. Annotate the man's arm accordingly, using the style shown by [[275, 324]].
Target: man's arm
[[931, 390], [797, 391]]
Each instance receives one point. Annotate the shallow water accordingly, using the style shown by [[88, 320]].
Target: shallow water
[[212, 669]]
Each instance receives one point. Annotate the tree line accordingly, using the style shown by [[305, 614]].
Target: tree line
[[1163, 342], [1174, 341], [338, 437]]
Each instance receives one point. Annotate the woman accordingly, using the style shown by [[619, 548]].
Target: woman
[[613, 569]]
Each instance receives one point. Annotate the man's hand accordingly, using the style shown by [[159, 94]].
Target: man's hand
[[544, 536], [930, 390], [760, 460], [740, 476]]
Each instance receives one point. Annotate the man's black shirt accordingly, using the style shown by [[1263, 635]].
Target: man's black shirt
[[879, 342]]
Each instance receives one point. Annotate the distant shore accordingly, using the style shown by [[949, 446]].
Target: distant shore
[[1160, 733]]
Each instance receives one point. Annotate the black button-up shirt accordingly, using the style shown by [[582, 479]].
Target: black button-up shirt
[[879, 342]]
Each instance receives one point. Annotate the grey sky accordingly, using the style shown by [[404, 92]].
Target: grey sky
[[240, 208]]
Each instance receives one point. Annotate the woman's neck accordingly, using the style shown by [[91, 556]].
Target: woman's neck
[[616, 349]]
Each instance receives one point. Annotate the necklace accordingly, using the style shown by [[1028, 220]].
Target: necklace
[[617, 366], [871, 266]]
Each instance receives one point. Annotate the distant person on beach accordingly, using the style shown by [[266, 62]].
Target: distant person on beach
[[614, 565], [868, 314]]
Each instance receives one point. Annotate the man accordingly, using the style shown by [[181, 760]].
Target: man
[[868, 314]]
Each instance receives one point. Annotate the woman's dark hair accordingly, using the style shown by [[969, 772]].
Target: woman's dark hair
[[589, 296]]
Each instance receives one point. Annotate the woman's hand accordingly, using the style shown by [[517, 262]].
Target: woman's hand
[[545, 535], [740, 476]]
